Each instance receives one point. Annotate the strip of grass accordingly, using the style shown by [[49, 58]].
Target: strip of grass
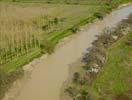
[[55, 39], [84, 2], [116, 76], [77, 2]]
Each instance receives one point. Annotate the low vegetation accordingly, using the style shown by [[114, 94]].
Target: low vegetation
[[107, 71], [76, 2]]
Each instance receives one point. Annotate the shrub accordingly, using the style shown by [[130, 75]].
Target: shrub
[[129, 40], [82, 81], [76, 77], [98, 15], [87, 67], [83, 95], [56, 20], [71, 91], [74, 29], [47, 46]]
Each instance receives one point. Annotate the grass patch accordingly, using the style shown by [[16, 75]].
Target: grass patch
[[114, 79]]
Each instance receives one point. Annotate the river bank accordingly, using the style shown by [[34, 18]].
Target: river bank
[[83, 73], [77, 67], [42, 83]]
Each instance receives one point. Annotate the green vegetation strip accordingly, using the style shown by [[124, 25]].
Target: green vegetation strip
[[72, 30], [76, 2]]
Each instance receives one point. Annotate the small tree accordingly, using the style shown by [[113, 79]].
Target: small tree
[[76, 77]]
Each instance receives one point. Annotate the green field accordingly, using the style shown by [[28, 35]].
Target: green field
[[115, 79]]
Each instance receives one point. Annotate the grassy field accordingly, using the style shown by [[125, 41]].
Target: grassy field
[[115, 79]]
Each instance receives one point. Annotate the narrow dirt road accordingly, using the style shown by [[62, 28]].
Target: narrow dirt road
[[48, 75]]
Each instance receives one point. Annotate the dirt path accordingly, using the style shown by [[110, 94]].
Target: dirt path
[[49, 74]]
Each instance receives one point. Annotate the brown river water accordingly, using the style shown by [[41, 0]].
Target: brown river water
[[49, 74]]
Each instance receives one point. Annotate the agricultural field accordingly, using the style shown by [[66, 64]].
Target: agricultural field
[[27, 28]]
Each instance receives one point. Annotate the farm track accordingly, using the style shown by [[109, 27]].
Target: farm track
[[49, 74]]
